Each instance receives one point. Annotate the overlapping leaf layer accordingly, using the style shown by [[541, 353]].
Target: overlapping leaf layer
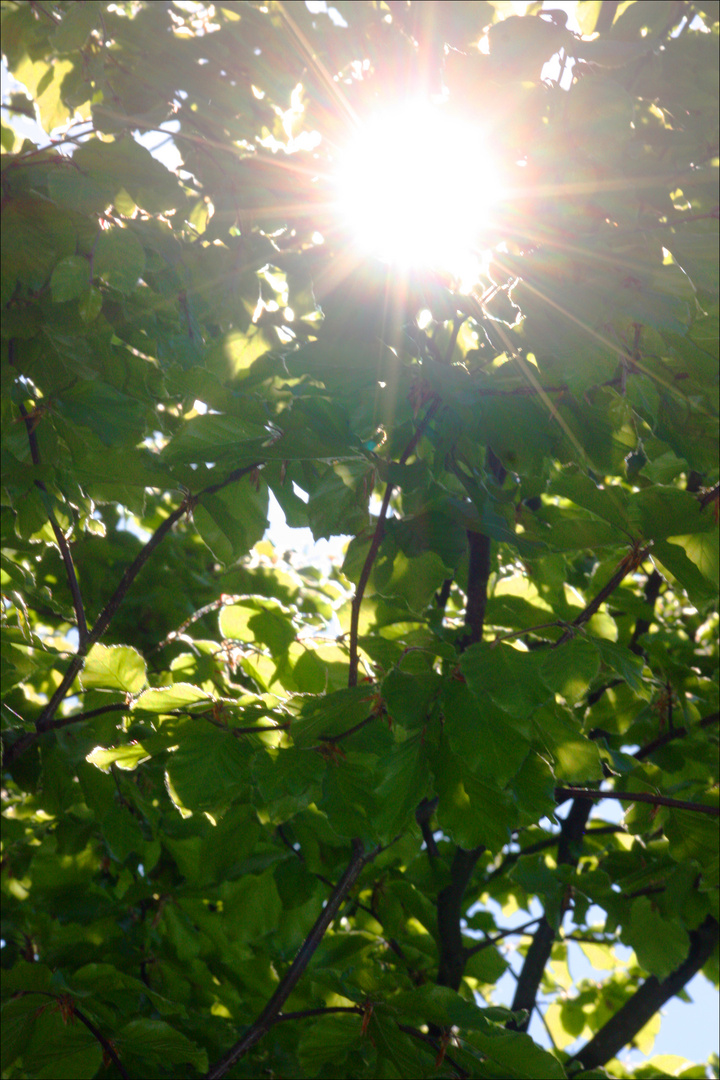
[[206, 739]]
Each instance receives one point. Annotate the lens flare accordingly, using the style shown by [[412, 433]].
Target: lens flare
[[417, 186]]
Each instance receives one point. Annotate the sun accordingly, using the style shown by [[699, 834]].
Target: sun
[[416, 186]]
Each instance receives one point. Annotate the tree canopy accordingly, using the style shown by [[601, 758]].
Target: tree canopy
[[273, 815]]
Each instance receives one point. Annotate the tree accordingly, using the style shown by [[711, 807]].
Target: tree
[[269, 818]]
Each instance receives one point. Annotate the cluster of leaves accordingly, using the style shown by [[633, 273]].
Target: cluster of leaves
[[244, 794]]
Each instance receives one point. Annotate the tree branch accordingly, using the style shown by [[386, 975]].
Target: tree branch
[[478, 575], [449, 913], [375, 546], [646, 1001], [288, 983], [572, 832], [106, 615], [424, 812], [674, 733], [562, 793], [57, 531], [517, 930], [44, 721], [631, 561], [107, 1046]]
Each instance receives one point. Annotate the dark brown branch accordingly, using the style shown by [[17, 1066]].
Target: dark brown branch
[[350, 731], [647, 1000], [636, 796], [375, 546], [57, 531], [267, 1017], [572, 832], [629, 563], [449, 913], [709, 496], [675, 733], [76, 718], [105, 1043], [478, 575], [423, 814]]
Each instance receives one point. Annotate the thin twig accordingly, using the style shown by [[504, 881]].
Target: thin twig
[[106, 615], [562, 793], [375, 546], [350, 731], [57, 531], [461, 1073], [498, 937], [266, 1019], [76, 718], [304, 1013], [105, 1043], [558, 623]]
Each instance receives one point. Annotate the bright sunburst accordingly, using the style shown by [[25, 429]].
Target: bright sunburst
[[416, 187]]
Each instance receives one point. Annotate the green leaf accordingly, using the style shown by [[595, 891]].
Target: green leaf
[[70, 278], [413, 580], [329, 1038], [208, 770], [403, 784], [473, 812], [60, 1049], [408, 697], [231, 521], [348, 798], [659, 512], [157, 1039], [212, 438], [166, 698], [508, 676], [660, 944], [114, 667], [119, 259], [113, 416], [481, 734], [569, 669], [259, 619], [673, 558]]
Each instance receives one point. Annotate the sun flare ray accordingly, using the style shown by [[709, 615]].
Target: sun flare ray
[[416, 187]]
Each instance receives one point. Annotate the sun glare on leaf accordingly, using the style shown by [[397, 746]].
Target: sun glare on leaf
[[416, 187]]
